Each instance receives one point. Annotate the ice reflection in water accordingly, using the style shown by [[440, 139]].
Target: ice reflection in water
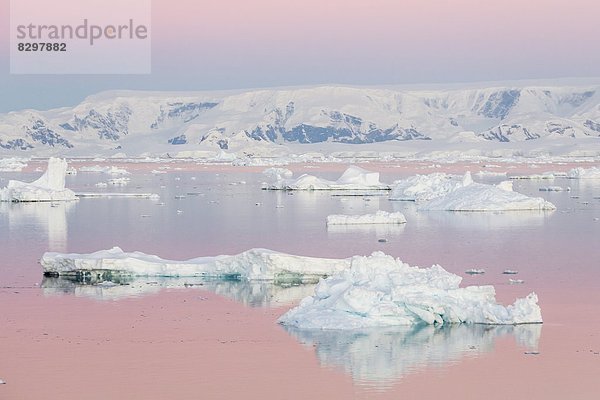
[[50, 218], [378, 357], [253, 294]]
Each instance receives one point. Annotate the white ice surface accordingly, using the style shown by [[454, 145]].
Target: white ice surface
[[49, 187], [255, 264], [424, 187], [109, 170], [12, 164], [354, 178], [583, 173], [380, 217], [471, 196], [381, 291], [277, 173]]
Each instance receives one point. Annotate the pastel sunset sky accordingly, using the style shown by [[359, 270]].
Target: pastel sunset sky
[[225, 44]]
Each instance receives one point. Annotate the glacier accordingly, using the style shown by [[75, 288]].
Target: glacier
[[380, 291], [49, 187]]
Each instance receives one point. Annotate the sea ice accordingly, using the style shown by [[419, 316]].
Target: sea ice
[[255, 264], [471, 196], [582, 173], [110, 170], [12, 164], [49, 187], [424, 187], [278, 174], [382, 291], [555, 189], [380, 217], [354, 178]]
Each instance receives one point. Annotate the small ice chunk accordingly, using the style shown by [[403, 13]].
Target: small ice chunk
[[475, 271], [555, 189], [380, 217]]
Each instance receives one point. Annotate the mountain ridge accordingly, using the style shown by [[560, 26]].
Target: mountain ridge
[[141, 122]]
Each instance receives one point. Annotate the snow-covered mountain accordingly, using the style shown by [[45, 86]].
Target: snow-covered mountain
[[260, 121]]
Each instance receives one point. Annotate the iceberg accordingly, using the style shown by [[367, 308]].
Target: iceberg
[[278, 174], [49, 187], [12, 164], [254, 264], [424, 187], [354, 178], [471, 196], [380, 217], [378, 291], [583, 173], [110, 170]]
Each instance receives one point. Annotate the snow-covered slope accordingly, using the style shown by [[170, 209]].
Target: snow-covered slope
[[277, 120]]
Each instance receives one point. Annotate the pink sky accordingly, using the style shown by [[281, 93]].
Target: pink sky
[[237, 43]]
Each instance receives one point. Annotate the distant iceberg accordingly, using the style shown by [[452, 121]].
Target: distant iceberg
[[109, 170], [471, 196], [49, 187], [354, 178], [583, 173], [380, 217], [382, 291], [439, 191], [424, 187], [255, 264], [12, 164]]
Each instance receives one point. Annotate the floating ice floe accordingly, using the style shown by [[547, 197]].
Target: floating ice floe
[[255, 264], [545, 175], [123, 181], [109, 170], [151, 196], [424, 187], [583, 173], [381, 291], [12, 164], [490, 174], [354, 178], [49, 187], [471, 196], [277, 173], [380, 217], [475, 271], [555, 189]]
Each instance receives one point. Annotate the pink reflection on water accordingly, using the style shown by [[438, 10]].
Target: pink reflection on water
[[190, 344]]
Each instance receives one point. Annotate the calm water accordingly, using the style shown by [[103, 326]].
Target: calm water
[[193, 339]]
